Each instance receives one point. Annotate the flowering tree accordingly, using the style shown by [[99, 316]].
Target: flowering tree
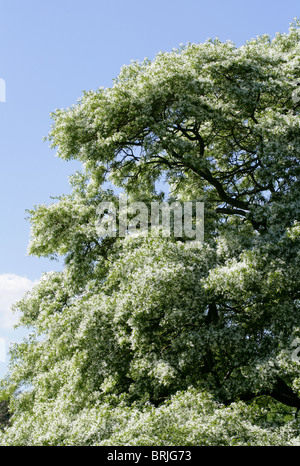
[[134, 329]]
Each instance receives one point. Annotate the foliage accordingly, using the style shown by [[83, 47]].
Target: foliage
[[188, 418], [150, 340], [4, 414]]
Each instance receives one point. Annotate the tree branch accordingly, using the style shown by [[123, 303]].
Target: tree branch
[[225, 210], [281, 392]]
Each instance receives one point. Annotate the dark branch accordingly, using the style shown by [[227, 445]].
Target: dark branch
[[225, 210], [281, 392]]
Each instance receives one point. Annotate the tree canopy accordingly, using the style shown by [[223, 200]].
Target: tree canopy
[[148, 339]]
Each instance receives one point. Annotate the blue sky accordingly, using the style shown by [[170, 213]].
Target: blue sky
[[52, 51]]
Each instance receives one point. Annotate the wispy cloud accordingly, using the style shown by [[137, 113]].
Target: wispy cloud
[[12, 288]]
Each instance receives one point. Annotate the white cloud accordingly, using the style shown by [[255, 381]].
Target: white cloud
[[12, 289]]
